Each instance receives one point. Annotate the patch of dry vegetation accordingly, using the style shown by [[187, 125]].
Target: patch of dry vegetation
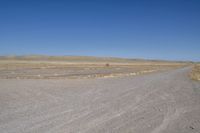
[[88, 67], [195, 74]]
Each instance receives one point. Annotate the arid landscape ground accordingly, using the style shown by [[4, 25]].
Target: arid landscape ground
[[195, 74], [44, 67], [98, 95]]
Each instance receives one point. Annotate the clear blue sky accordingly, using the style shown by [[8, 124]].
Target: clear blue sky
[[152, 29]]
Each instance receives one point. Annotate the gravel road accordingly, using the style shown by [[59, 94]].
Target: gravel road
[[165, 102]]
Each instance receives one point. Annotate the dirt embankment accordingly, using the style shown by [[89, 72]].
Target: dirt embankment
[[195, 74]]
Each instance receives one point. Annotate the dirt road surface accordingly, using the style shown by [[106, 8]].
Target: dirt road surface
[[165, 102]]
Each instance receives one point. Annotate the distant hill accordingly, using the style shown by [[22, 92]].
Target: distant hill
[[79, 59]]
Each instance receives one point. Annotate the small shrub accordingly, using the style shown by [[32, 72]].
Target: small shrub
[[107, 65]]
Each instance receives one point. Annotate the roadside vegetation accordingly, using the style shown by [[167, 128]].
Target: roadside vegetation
[[195, 74]]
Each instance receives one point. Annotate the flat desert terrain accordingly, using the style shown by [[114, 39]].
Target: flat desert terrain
[[133, 97]]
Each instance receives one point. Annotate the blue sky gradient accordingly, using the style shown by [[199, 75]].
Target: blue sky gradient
[[151, 29]]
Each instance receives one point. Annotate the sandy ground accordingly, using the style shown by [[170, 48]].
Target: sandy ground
[[165, 102], [65, 70]]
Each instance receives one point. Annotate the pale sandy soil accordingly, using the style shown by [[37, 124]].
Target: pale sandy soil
[[164, 102]]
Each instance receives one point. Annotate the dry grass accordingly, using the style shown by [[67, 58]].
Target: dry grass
[[195, 74], [74, 68]]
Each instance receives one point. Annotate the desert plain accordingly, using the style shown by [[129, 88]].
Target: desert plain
[[98, 95]]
